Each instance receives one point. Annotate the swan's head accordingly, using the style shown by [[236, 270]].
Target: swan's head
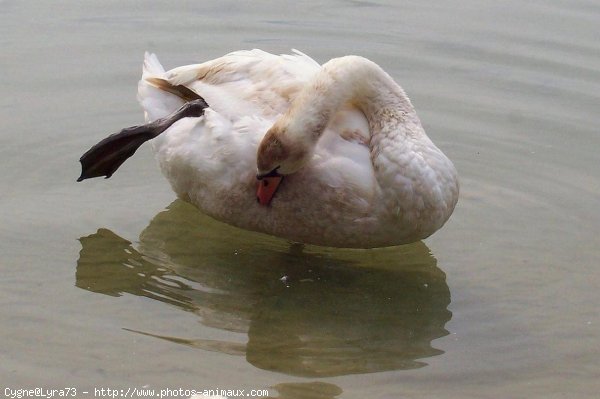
[[279, 154]]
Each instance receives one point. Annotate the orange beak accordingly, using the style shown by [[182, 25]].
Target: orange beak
[[267, 186]]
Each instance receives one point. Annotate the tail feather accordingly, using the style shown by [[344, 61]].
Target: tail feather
[[153, 87], [152, 66]]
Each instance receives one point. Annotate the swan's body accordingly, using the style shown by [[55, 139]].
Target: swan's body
[[360, 171]]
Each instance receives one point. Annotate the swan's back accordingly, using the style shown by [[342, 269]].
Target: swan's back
[[242, 83]]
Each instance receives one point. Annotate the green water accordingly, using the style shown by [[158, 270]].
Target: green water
[[114, 284]]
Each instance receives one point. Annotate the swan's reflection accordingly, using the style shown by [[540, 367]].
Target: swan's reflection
[[307, 390], [307, 311]]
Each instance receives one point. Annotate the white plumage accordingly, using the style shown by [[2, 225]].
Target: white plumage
[[359, 169]]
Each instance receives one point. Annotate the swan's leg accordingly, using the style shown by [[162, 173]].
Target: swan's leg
[[104, 158]]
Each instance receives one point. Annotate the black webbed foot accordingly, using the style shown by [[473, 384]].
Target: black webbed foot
[[104, 158]]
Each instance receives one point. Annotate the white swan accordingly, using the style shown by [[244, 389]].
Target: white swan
[[359, 169]]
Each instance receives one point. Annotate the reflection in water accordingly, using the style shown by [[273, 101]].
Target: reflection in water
[[310, 311], [307, 390]]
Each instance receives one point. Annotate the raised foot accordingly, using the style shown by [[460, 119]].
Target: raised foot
[[104, 158]]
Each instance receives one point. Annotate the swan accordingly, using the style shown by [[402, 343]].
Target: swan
[[332, 155]]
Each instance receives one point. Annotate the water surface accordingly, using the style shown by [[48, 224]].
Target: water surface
[[113, 283]]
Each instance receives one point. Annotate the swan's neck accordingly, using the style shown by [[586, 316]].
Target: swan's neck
[[394, 127], [414, 176], [353, 80]]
